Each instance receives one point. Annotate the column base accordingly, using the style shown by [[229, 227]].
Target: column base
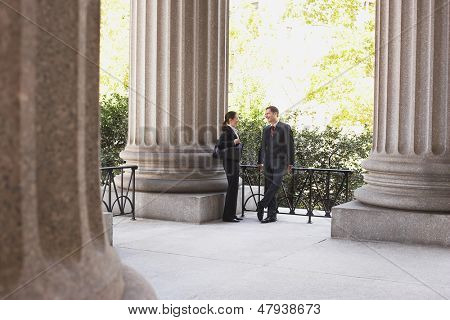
[[180, 184], [136, 287], [357, 221], [108, 223], [182, 207]]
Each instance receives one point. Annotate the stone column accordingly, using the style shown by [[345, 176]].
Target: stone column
[[407, 191], [178, 97], [53, 240]]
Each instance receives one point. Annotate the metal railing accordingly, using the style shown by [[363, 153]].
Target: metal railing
[[305, 188], [119, 196]]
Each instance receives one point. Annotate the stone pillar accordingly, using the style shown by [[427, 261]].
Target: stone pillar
[[407, 193], [178, 97], [53, 242]]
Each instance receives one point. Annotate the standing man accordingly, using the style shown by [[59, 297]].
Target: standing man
[[276, 156]]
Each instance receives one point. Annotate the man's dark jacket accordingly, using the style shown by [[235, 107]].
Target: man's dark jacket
[[277, 151]]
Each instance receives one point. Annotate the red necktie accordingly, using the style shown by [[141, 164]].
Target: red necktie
[[272, 131]]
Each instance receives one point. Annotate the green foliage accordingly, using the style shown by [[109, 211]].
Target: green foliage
[[266, 61], [253, 21], [293, 10], [251, 98], [333, 148], [114, 46], [250, 106], [331, 12], [343, 78], [324, 12], [250, 129], [113, 128]]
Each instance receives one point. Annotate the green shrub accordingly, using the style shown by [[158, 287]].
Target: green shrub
[[332, 148], [113, 128], [314, 148]]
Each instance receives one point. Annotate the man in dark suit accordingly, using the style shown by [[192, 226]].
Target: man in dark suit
[[276, 156]]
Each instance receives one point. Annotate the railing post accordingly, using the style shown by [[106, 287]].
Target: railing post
[[346, 186], [133, 205], [110, 177], [121, 206], [310, 174], [327, 195], [291, 193], [243, 192]]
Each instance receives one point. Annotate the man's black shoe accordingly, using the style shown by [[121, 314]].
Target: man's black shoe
[[269, 220], [237, 218], [230, 220], [260, 211]]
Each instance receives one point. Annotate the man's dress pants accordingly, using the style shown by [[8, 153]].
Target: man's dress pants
[[273, 180]]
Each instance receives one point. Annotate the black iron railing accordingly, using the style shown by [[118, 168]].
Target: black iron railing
[[120, 200], [311, 189]]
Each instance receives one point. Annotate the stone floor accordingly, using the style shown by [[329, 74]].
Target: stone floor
[[285, 260]]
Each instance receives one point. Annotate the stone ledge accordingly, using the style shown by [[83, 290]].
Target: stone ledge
[[182, 207], [357, 221]]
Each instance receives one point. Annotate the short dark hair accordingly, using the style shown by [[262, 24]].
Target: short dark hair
[[273, 109]]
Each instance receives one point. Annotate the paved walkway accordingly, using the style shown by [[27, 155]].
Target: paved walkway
[[285, 260]]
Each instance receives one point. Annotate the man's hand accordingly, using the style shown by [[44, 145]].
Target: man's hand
[[261, 167], [237, 141], [290, 168]]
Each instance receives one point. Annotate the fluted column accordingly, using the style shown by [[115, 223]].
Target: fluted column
[[52, 235], [178, 93], [409, 167]]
